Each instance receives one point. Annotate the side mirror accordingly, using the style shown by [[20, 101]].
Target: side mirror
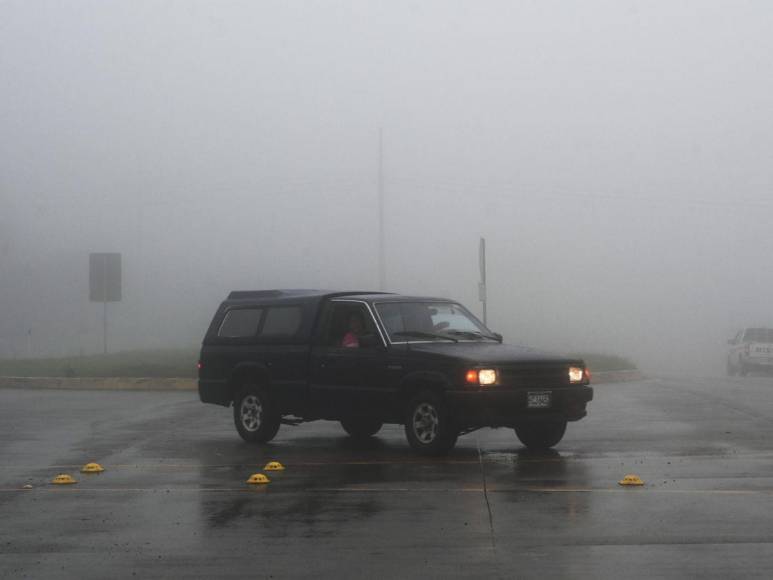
[[499, 337]]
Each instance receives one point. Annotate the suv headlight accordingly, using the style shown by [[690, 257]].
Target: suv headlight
[[487, 376], [576, 374], [482, 377]]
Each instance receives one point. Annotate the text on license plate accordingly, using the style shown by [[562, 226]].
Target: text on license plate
[[538, 399]]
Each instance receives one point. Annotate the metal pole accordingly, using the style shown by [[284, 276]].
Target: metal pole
[[482, 290], [381, 250], [104, 326], [104, 304]]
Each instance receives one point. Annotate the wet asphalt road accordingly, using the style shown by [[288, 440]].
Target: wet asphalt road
[[173, 502]]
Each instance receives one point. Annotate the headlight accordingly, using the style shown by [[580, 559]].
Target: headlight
[[482, 377], [487, 376], [576, 374]]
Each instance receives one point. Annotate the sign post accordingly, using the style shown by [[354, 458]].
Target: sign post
[[482, 285], [105, 284]]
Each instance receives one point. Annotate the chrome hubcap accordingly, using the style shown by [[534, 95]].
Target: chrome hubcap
[[251, 412], [425, 422]]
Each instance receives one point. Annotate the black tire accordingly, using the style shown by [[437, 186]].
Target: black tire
[[541, 435], [361, 427], [255, 417], [742, 370], [730, 369], [428, 424]]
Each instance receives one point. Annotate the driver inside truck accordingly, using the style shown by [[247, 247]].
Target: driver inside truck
[[355, 327]]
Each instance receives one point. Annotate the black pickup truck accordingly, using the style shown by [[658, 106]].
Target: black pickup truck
[[367, 358]]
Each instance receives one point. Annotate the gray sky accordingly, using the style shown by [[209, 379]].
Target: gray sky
[[618, 156]]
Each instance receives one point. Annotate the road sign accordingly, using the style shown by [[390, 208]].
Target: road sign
[[105, 277], [105, 284]]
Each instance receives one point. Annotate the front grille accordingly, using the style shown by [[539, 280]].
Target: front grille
[[534, 377]]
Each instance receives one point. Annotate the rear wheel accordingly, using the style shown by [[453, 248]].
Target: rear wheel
[[360, 428], [730, 369], [742, 370], [542, 435], [255, 417], [428, 424]]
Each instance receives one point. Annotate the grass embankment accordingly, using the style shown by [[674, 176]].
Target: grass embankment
[[606, 362], [157, 363], [179, 364]]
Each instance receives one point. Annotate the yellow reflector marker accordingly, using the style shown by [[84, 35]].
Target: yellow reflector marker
[[92, 468], [63, 479], [274, 466], [258, 478], [631, 479]]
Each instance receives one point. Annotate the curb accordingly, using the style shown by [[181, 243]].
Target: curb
[[171, 384]]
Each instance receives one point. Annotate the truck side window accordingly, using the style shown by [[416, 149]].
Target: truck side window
[[240, 323], [349, 324], [282, 321]]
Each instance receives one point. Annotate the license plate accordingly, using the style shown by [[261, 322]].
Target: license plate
[[538, 399]]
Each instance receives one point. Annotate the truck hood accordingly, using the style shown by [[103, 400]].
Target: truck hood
[[491, 353]]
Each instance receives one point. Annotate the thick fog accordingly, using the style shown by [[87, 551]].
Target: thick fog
[[617, 156]]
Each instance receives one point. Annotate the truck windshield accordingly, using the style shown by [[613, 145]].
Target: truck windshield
[[430, 321], [759, 335]]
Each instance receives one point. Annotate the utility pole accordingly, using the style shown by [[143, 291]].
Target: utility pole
[[482, 285], [381, 250], [104, 305]]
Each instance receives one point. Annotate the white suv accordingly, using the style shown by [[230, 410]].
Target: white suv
[[751, 349]]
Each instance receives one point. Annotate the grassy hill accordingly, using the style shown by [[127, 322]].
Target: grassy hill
[[606, 362], [156, 363]]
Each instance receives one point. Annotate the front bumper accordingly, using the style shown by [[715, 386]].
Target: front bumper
[[757, 363], [508, 407]]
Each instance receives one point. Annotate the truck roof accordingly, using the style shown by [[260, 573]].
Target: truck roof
[[301, 295], [306, 295], [389, 297]]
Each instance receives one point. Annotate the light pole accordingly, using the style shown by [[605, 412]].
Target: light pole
[[381, 250], [482, 285]]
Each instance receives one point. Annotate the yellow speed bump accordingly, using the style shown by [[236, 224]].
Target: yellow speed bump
[[274, 466], [258, 478], [92, 468], [631, 479], [63, 479]]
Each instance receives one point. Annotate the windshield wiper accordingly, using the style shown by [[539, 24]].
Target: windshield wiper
[[419, 334], [472, 334]]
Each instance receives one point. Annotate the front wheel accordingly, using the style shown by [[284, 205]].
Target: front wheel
[[428, 425], [361, 428], [254, 415], [542, 435]]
